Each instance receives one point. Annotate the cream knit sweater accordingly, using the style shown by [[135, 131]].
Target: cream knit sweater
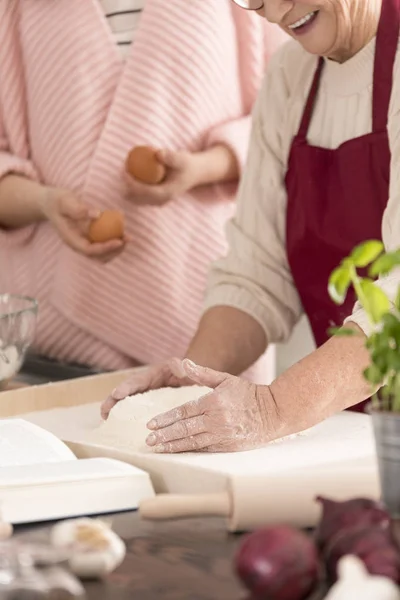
[[255, 276]]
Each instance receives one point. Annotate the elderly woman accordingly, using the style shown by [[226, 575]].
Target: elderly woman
[[323, 174], [82, 82]]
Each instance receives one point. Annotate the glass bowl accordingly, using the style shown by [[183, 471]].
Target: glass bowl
[[17, 330]]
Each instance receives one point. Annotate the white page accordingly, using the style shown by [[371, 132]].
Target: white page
[[68, 471], [22, 443]]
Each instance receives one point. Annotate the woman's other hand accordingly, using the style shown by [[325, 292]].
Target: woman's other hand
[[236, 415], [168, 374], [71, 218], [185, 171]]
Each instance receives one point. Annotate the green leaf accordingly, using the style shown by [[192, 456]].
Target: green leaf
[[378, 341], [391, 326], [391, 321], [381, 361], [373, 375], [339, 282], [385, 263], [393, 360], [365, 253], [397, 300], [396, 396], [396, 404], [343, 331], [374, 300], [372, 340]]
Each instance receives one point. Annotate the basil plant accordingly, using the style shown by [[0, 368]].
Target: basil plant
[[384, 343]]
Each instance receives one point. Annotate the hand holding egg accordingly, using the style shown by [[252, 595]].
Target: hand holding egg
[[87, 231], [157, 176], [108, 226]]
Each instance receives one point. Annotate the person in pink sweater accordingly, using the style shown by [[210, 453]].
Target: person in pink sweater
[[81, 84]]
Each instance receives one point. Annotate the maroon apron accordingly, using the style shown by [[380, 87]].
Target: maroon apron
[[336, 198]]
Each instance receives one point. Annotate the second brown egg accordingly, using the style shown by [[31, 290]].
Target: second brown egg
[[142, 164]]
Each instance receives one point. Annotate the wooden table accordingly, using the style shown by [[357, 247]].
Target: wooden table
[[176, 560], [181, 560]]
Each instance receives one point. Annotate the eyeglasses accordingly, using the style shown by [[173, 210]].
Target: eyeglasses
[[250, 4]]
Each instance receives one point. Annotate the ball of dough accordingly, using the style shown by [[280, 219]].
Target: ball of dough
[[109, 226], [126, 426], [142, 163]]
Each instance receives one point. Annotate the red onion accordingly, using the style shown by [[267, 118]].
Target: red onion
[[340, 516], [278, 563], [373, 545]]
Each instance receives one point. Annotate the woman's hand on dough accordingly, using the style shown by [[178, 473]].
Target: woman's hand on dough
[[236, 415], [183, 174], [168, 374], [71, 218]]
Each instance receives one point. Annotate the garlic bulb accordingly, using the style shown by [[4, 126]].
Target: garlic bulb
[[94, 550], [355, 583]]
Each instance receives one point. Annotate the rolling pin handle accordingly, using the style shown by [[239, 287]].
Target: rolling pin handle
[[6, 531], [172, 506]]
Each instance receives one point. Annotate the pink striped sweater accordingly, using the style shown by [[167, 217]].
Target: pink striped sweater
[[70, 110]]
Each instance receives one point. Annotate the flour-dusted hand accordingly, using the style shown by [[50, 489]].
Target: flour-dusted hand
[[167, 374], [236, 415], [182, 176]]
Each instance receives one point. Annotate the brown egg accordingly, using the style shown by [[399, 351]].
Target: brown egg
[[143, 165], [109, 226]]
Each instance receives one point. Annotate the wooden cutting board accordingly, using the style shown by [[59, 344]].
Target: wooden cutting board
[[337, 456]]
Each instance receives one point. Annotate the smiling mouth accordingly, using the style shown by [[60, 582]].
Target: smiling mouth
[[306, 20]]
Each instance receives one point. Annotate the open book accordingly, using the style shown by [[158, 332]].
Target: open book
[[42, 480]]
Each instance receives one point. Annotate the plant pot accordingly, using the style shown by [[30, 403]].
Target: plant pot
[[386, 426]]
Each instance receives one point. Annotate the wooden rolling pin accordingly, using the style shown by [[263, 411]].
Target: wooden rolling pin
[[288, 497], [6, 529], [180, 506]]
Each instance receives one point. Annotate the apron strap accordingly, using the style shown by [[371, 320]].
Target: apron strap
[[387, 39], [312, 96]]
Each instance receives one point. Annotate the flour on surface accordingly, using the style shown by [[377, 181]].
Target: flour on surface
[[126, 426]]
